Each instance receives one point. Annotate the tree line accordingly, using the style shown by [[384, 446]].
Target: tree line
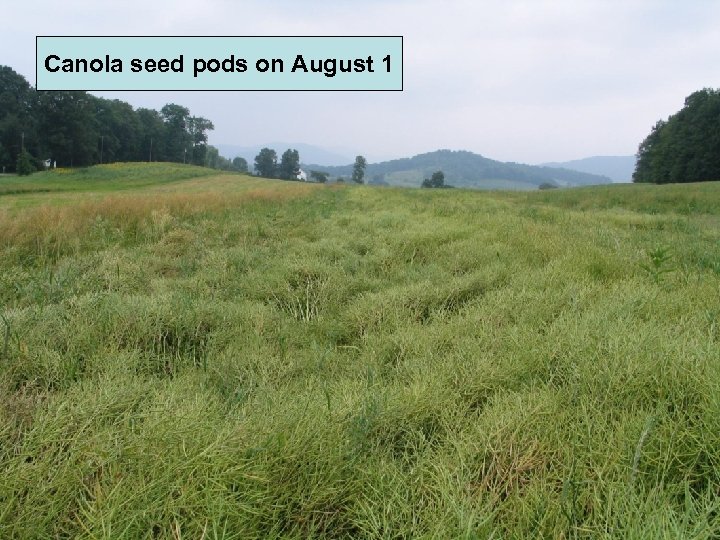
[[74, 128], [267, 165], [436, 181], [686, 146]]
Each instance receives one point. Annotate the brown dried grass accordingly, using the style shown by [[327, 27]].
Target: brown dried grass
[[49, 230]]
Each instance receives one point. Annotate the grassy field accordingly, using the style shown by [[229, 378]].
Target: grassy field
[[192, 355]]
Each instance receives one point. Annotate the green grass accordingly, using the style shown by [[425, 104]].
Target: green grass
[[226, 357], [108, 178], [682, 199], [414, 178]]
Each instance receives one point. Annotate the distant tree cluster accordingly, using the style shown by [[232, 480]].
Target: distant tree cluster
[[547, 185], [436, 180], [73, 128], [319, 176], [214, 160], [686, 147], [240, 164], [267, 166]]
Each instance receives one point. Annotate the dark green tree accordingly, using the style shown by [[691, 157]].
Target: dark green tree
[[120, 131], [686, 147], [78, 129], [358, 172], [24, 165], [289, 165], [240, 164], [4, 159], [18, 117], [178, 140], [152, 136], [319, 176], [266, 163], [198, 128], [437, 180], [69, 127]]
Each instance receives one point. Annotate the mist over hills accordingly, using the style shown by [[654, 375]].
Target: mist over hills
[[463, 169], [617, 168]]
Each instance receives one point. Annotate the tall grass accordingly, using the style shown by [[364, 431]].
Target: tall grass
[[48, 232], [269, 359]]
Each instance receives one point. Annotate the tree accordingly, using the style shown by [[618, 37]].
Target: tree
[[289, 165], [319, 176], [120, 130], [197, 129], [213, 159], [24, 165], [686, 147], [18, 122], [240, 164], [178, 139], [152, 136], [266, 163], [4, 158], [78, 129], [547, 185], [358, 172], [437, 180], [68, 123]]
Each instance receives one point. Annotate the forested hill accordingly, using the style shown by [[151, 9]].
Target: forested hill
[[466, 169]]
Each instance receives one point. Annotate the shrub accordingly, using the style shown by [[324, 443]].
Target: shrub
[[547, 185], [25, 165]]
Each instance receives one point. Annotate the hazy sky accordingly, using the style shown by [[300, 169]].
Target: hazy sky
[[527, 81]]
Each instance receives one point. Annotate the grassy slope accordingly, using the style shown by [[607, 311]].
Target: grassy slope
[[65, 184], [111, 177], [230, 357]]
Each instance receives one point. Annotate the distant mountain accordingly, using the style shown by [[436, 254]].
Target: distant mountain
[[308, 153], [465, 169], [617, 168]]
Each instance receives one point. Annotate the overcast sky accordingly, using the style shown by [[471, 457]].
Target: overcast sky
[[527, 81]]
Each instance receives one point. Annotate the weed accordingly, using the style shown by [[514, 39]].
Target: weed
[[659, 263]]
